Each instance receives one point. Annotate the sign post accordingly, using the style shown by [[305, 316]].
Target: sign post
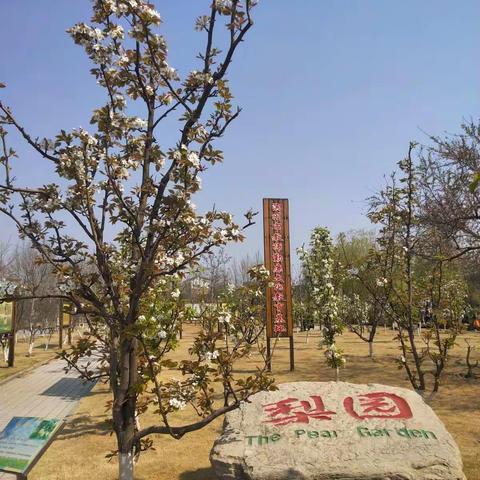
[[65, 321], [7, 326], [60, 324], [279, 320], [11, 348]]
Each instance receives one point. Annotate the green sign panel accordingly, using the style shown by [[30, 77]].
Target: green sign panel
[[66, 314], [23, 440], [6, 317]]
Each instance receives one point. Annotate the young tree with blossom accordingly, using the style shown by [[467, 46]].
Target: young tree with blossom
[[364, 272], [131, 196], [322, 302], [421, 285]]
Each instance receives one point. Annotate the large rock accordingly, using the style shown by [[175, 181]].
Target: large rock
[[330, 430]]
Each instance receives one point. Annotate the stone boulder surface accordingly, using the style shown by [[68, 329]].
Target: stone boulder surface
[[335, 430]]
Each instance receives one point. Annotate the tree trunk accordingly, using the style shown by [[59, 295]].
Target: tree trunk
[[416, 358], [371, 338], [5, 353], [31, 344], [124, 407], [125, 466], [337, 374]]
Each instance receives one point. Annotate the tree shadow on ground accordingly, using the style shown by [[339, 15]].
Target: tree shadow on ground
[[209, 474], [200, 474], [69, 388], [85, 425]]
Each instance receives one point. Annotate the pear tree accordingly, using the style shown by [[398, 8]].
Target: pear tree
[[129, 194]]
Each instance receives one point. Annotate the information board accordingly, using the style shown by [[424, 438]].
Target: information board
[[6, 317], [66, 314], [23, 440]]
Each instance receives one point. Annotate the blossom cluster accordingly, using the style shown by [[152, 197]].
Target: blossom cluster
[[7, 288]]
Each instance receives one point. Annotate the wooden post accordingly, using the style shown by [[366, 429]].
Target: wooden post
[[60, 324], [276, 240], [292, 355], [269, 355], [11, 340]]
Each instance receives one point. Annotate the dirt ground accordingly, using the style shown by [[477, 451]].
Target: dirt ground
[[23, 362], [79, 451]]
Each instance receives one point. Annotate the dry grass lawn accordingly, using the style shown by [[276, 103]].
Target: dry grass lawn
[[23, 362], [79, 452]]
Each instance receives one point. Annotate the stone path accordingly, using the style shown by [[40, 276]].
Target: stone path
[[46, 391]]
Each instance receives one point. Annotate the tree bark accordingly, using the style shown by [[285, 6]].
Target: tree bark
[[125, 466], [124, 410], [5, 353], [31, 344]]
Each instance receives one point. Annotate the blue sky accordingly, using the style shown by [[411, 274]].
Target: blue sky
[[332, 92]]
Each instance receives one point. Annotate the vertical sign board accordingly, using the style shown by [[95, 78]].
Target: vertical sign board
[[6, 317], [7, 327], [277, 261], [66, 314], [64, 320], [67, 319]]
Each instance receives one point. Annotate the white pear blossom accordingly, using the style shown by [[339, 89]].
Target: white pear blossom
[[138, 123], [209, 356], [225, 318], [116, 32], [7, 288], [177, 403], [123, 61], [192, 158]]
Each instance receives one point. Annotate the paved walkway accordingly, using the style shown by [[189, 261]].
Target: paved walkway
[[46, 392]]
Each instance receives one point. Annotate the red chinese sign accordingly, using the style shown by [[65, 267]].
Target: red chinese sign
[[277, 262], [377, 405], [360, 407], [291, 410]]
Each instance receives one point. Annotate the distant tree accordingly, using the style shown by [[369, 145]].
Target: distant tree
[[209, 279], [34, 313], [239, 269], [216, 273], [363, 284], [449, 177], [130, 194], [5, 259], [4, 272], [471, 365]]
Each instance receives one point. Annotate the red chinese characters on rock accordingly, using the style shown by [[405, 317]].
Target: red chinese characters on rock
[[360, 407], [291, 410], [278, 269], [377, 405]]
